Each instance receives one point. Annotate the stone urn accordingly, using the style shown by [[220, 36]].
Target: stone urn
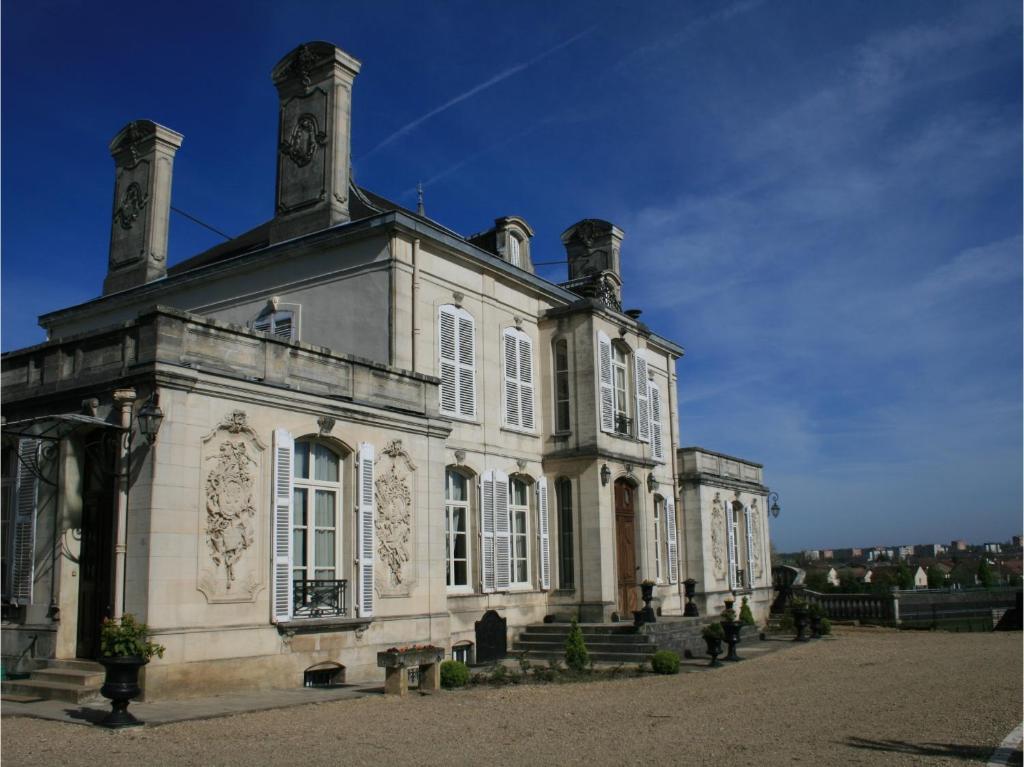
[[647, 614], [120, 687], [800, 617], [732, 638]]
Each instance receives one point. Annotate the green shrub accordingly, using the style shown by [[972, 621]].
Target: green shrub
[[826, 626], [816, 611], [499, 675], [542, 674], [576, 656], [746, 616], [665, 662], [124, 638], [454, 673], [713, 631]]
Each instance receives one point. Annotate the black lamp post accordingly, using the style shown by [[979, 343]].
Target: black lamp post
[[150, 417], [773, 498]]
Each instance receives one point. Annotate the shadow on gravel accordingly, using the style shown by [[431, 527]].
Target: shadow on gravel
[[950, 750], [88, 714]]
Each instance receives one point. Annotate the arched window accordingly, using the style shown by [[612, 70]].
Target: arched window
[[518, 368], [566, 558], [280, 323], [513, 250], [316, 502], [457, 364], [456, 529]]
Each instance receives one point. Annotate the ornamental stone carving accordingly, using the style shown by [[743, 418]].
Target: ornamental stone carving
[[718, 536], [306, 137], [231, 513], [755, 531], [393, 492], [132, 202]]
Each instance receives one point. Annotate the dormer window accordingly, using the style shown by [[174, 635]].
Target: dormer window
[[279, 322], [514, 250]]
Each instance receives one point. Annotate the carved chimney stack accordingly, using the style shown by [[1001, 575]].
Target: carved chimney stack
[[314, 86], [592, 247], [143, 155]]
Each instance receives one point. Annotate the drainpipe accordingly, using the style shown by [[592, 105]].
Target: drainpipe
[[415, 290], [126, 399]]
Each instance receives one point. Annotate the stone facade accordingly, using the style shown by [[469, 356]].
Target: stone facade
[[374, 431]]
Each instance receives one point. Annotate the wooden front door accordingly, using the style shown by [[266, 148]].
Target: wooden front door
[[625, 548]]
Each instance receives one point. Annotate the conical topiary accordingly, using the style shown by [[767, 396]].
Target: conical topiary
[[576, 656], [746, 616]]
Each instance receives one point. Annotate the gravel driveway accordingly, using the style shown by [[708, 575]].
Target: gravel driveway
[[869, 696]]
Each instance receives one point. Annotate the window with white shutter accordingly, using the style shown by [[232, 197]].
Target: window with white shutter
[[367, 535], [487, 511], [502, 533], [544, 533], [518, 369], [457, 363], [606, 404], [513, 250], [280, 323], [26, 502], [672, 534], [643, 410], [657, 448], [284, 456]]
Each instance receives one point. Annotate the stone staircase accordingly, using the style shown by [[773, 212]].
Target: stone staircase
[[606, 642], [74, 681]]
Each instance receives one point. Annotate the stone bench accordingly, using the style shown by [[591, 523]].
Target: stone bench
[[396, 662]]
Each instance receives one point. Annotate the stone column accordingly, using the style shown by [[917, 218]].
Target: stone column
[[143, 155], [125, 400], [314, 85]]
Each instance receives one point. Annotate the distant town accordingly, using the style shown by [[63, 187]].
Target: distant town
[[957, 565]]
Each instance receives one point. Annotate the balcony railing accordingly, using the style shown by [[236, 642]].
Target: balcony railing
[[317, 599], [623, 425]]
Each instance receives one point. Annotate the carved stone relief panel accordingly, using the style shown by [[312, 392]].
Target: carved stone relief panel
[[718, 534], [230, 559], [305, 142], [755, 529], [396, 541]]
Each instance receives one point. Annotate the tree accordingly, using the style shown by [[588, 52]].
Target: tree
[[936, 578], [816, 580], [904, 578], [986, 577]]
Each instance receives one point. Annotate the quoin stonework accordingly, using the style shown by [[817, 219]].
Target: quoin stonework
[[369, 431]]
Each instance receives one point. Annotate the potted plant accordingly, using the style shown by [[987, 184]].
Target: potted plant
[[731, 629], [713, 636], [798, 608], [125, 648]]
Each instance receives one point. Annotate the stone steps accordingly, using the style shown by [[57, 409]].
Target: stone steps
[[606, 643], [73, 681]]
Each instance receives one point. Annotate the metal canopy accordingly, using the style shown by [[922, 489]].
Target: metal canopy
[[55, 427]]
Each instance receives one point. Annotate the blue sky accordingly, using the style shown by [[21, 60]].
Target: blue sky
[[822, 201]]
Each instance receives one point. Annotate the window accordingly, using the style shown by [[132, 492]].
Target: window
[[457, 330], [280, 323], [463, 651], [456, 520], [657, 449], [518, 351], [619, 377], [321, 567], [659, 504], [518, 514], [513, 250], [562, 410], [735, 572], [316, 497], [566, 559]]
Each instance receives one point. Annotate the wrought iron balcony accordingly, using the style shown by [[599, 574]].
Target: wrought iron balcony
[[623, 425], [316, 599]]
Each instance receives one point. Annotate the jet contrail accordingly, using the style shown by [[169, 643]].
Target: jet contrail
[[504, 75]]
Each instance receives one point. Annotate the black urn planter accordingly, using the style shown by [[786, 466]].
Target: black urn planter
[[732, 638], [120, 686], [714, 650], [690, 586], [647, 614], [800, 615]]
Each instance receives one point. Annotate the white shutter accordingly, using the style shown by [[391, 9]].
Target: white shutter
[[487, 531], [367, 534], [467, 365], [730, 526], [657, 449], [26, 504], [545, 535], [606, 409], [262, 324], [643, 412], [283, 325], [511, 347], [525, 381], [673, 540], [750, 545], [502, 534], [447, 324], [284, 458]]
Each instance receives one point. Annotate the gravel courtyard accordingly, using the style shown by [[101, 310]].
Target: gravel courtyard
[[869, 696]]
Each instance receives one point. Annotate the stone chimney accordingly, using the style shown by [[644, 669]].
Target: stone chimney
[[592, 247], [314, 86], [143, 155]]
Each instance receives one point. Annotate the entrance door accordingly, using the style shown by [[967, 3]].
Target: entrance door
[[95, 564], [625, 546]]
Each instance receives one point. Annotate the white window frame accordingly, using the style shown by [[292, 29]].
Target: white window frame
[[311, 486], [523, 510], [458, 372], [451, 534], [514, 251], [620, 397], [519, 409]]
